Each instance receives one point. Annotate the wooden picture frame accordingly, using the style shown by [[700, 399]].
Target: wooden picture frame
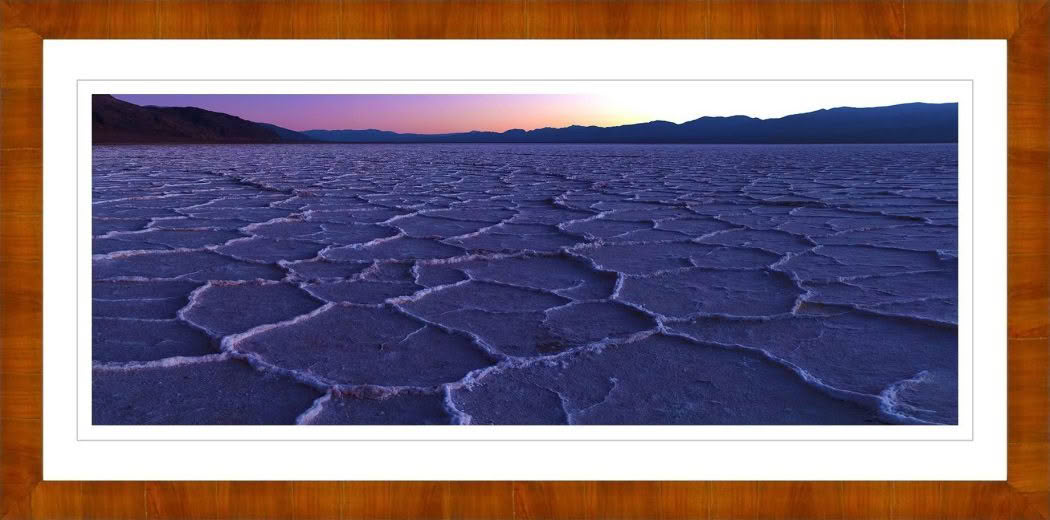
[[25, 24]]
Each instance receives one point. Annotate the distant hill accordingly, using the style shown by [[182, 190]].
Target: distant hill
[[286, 134], [907, 123], [116, 121]]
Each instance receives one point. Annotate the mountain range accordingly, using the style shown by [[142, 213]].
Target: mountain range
[[115, 122]]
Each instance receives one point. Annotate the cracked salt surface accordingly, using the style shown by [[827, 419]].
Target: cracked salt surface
[[524, 284]]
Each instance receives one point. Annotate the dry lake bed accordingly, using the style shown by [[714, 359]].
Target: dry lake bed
[[524, 284]]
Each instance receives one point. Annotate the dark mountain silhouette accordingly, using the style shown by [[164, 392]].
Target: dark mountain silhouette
[[907, 123], [288, 135], [116, 121]]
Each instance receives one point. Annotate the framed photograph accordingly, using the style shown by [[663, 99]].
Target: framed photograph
[[525, 260]]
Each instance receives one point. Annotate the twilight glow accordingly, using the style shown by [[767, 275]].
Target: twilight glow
[[445, 113]]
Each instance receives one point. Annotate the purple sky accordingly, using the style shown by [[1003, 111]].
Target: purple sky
[[423, 113], [442, 113]]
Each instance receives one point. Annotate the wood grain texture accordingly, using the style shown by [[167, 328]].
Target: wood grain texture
[[113, 500], [366, 19], [867, 501], [500, 19], [317, 500], [20, 272], [480, 500], [864, 19], [433, 19], [23, 25], [960, 18], [182, 500], [556, 500], [1028, 378], [396, 500], [773, 19]]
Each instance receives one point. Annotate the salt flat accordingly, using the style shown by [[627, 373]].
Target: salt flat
[[524, 284]]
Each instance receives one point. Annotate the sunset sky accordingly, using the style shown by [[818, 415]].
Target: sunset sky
[[443, 113]]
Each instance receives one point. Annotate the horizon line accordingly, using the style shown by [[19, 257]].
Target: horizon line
[[522, 128], [588, 126]]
